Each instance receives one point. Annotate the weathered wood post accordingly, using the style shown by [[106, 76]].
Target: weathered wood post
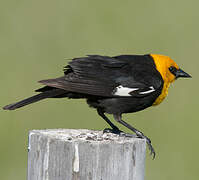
[[67, 154]]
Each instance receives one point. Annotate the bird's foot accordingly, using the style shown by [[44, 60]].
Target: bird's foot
[[138, 134], [128, 135], [114, 131], [148, 141], [119, 132]]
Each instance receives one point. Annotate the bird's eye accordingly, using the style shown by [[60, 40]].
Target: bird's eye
[[172, 69]]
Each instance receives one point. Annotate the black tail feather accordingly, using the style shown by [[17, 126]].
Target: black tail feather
[[33, 99]]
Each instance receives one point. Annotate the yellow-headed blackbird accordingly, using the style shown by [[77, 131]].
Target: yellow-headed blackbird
[[114, 85]]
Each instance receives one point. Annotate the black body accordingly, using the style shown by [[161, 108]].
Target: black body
[[95, 78]]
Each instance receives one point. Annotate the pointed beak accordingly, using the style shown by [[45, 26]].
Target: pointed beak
[[181, 73]]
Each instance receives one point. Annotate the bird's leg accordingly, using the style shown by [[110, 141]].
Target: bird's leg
[[118, 118], [114, 129]]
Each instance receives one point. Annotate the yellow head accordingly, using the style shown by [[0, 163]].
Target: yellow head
[[168, 69]]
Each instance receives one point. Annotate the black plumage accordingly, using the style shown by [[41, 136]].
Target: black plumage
[[96, 77], [115, 85]]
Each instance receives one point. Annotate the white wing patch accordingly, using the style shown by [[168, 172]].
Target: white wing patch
[[149, 91], [123, 91]]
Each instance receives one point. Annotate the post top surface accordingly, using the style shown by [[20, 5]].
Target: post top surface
[[83, 135]]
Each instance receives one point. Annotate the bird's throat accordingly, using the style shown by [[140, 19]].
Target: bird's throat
[[163, 94]]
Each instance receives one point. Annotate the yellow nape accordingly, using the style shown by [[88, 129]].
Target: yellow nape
[[162, 65]]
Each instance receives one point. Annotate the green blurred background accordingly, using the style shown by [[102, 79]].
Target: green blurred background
[[38, 37]]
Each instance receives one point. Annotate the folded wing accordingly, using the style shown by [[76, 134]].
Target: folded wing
[[105, 76]]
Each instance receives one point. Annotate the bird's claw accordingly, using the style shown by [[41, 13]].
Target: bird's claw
[[114, 131], [119, 132], [138, 134], [148, 141], [128, 135], [151, 149]]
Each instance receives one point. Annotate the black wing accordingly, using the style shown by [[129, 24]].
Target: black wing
[[109, 76]]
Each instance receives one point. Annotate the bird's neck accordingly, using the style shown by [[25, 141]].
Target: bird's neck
[[163, 94]]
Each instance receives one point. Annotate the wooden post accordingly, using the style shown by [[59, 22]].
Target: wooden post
[[68, 154]]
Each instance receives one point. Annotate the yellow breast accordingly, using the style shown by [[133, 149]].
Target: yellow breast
[[162, 95]]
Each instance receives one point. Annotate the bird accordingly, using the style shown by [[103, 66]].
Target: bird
[[113, 85]]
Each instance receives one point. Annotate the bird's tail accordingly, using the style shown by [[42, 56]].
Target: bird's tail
[[33, 99]]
